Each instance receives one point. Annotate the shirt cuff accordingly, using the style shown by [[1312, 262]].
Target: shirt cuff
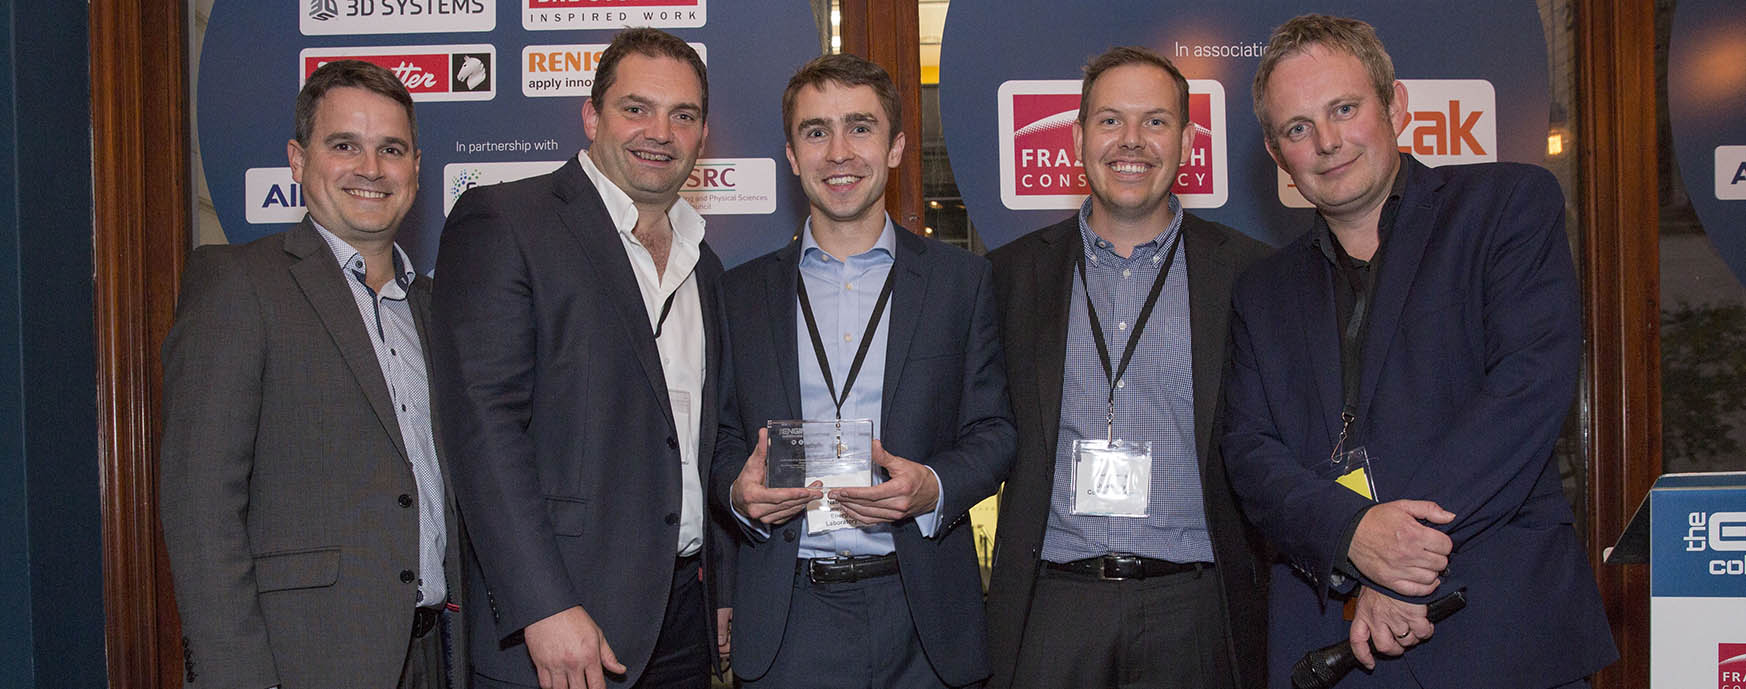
[[930, 522]]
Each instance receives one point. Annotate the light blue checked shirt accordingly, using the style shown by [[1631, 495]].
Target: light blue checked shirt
[[1154, 401], [394, 335]]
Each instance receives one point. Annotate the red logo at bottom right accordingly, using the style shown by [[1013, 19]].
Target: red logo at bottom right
[[1731, 666]]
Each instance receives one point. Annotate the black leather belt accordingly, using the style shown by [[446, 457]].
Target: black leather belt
[[1119, 567], [423, 620], [843, 570]]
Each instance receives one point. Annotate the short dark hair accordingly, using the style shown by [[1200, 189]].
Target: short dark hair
[[646, 42], [349, 74], [1336, 34], [843, 70], [1130, 55]]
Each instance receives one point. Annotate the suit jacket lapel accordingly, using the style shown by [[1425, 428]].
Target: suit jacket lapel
[[318, 275], [585, 215], [1209, 279], [1314, 310], [1406, 243], [908, 299], [1054, 276], [780, 276]]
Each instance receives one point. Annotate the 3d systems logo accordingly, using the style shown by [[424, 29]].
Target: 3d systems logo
[[1730, 666], [323, 10], [336, 18], [1039, 168]]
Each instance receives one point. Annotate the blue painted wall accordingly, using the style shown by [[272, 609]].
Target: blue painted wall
[[51, 581]]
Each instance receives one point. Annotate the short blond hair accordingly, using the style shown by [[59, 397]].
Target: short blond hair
[[1339, 34]]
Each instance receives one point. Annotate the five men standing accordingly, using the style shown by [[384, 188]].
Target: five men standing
[[1119, 315]]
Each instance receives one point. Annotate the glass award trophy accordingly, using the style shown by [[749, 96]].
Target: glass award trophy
[[837, 454]]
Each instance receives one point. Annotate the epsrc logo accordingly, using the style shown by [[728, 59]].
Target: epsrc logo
[[1040, 169], [430, 72], [550, 71], [339, 17], [1720, 532], [1730, 666], [555, 15], [732, 186], [1452, 122]]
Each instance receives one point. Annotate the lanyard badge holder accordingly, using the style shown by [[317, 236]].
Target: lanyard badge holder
[[836, 453], [1350, 467], [1113, 477]]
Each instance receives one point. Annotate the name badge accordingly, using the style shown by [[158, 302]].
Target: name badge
[[1112, 478]]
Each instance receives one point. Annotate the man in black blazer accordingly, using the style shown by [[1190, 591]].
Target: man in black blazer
[[1080, 597], [577, 344], [310, 535], [859, 318], [1430, 317]]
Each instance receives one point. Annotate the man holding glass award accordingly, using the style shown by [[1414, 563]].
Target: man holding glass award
[[864, 413]]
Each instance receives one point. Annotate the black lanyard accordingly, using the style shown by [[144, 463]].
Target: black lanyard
[[824, 362], [1134, 337], [668, 305], [1353, 335]]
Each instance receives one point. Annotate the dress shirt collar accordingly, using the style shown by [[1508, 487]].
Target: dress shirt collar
[[1099, 250], [352, 261], [687, 223], [810, 252]]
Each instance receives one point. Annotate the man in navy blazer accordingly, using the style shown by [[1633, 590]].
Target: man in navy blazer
[[895, 601], [1430, 318], [577, 344]]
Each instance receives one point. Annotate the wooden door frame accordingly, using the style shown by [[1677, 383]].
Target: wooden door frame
[[142, 223]]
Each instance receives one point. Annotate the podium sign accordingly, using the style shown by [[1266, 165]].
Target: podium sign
[[1697, 581]]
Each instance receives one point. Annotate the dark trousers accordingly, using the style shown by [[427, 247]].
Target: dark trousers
[[1162, 632], [426, 665], [681, 659], [855, 635]]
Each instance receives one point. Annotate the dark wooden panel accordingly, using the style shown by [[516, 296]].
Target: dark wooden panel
[[141, 218], [889, 32], [1622, 390]]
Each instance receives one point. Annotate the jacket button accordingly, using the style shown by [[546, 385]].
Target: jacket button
[[672, 519], [788, 535], [405, 500], [672, 443], [406, 576]]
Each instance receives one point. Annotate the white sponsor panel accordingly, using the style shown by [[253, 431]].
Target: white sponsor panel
[[1451, 122], [1041, 170], [732, 186], [459, 177], [558, 15], [552, 71], [1731, 173], [460, 72], [272, 197], [1683, 640], [344, 17]]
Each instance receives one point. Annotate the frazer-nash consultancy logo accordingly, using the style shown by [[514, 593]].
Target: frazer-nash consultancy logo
[[1730, 666]]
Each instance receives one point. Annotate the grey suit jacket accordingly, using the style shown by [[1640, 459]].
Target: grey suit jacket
[[282, 475]]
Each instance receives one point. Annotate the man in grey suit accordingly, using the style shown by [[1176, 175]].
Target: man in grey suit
[[310, 534]]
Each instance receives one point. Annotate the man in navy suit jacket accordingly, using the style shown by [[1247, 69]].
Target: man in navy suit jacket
[[1429, 317], [859, 318]]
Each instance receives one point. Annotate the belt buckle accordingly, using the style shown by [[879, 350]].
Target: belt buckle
[[814, 566], [1109, 568]]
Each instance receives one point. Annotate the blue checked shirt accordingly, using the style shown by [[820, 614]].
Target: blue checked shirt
[[1154, 401], [387, 317]]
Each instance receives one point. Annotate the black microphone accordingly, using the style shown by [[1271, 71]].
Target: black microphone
[[1322, 668]]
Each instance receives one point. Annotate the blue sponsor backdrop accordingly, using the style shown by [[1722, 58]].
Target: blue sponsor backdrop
[[987, 42], [249, 76], [1706, 102]]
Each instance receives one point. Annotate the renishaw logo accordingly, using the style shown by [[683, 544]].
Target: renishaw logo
[[554, 15], [1451, 122], [272, 198], [732, 186], [1040, 170], [549, 71], [1730, 666], [338, 17], [1731, 173], [1721, 532], [430, 72], [459, 177]]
